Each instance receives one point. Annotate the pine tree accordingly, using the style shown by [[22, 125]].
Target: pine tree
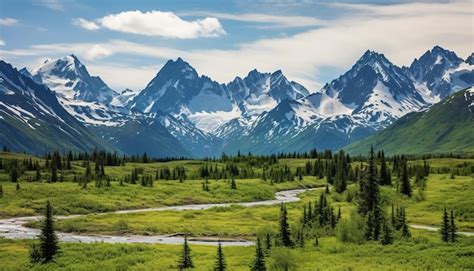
[[405, 187], [259, 261], [452, 228], [405, 231], [384, 174], [233, 185], [48, 239], [369, 188], [445, 226], [186, 261], [386, 238], [220, 260], [285, 228], [1, 191], [17, 186], [268, 243]]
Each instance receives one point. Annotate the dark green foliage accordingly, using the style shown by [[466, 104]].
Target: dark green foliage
[[285, 235], [369, 194], [220, 260], [233, 184], [259, 261], [452, 228], [14, 174], [35, 253], [48, 239], [445, 226], [385, 178], [17, 187], [1, 191], [386, 236], [405, 187], [268, 242], [186, 261]]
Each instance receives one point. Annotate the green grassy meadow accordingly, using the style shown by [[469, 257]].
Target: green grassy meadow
[[423, 251]]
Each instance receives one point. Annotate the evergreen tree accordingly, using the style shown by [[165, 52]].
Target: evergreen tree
[[17, 186], [268, 242], [405, 187], [386, 238], [35, 253], [285, 234], [48, 239], [259, 261], [369, 188], [14, 174], [452, 228], [384, 174], [186, 262], [445, 226], [233, 184], [405, 231], [220, 260], [1, 191]]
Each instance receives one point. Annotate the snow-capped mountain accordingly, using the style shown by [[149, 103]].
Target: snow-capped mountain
[[439, 72], [367, 98], [69, 78], [177, 89], [32, 119], [182, 113]]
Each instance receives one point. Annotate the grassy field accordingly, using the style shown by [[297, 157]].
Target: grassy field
[[422, 252], [70, 198], [243, 222]]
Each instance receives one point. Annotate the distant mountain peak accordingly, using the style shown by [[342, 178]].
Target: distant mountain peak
[[69, 78]]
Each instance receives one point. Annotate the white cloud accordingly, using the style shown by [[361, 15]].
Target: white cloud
[[402, 32], [270, 21], [88, 25], [2, 43], [155, 23], [8, 21], [51, 4]]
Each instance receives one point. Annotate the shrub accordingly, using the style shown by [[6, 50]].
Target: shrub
[[351, 230]]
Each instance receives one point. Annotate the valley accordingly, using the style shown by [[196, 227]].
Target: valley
[[99, 203]]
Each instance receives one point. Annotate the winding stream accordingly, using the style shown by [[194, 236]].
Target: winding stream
[[13, 227]]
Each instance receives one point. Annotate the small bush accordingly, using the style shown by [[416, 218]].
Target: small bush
[[351, 230]]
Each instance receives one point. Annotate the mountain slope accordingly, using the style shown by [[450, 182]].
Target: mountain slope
[[445, 127], [32, 120]]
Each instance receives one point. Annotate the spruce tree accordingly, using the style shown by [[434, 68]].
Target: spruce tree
[[386, 238], [17, 186], [285, 234], [405, 187], [369, 197], [220, 260], [452, 228], [268, 243], [48, 239], [233, 185], [1, 191], [259, 261], [384, 174], [445, 226], [186, 261]]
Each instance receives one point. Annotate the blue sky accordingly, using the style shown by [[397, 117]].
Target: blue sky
[[126, 42]]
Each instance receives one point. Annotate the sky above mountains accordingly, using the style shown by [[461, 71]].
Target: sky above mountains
[[127, 42]]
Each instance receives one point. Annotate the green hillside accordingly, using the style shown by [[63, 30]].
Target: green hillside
[[445, 127]]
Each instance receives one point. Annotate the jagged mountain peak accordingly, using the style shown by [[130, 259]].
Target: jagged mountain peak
[[69, 78]]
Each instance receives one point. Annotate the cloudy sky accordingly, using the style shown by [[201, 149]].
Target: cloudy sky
[[127, 42]]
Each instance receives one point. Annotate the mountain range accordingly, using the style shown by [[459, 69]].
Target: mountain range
[[182, 113]]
